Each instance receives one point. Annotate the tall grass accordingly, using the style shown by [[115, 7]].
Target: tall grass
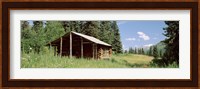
[[33, 60], [47, 59]]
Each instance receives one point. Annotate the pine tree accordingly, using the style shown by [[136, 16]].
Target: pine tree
[[81, 23], [116, 42], [172, 42], [142, 51], [160, 53], [37, 26], [138, 50], [25, 29], [67, 26], [72, 26], [125, 51], [155, 52], [105, 31], [135, 50], [129, 50], [150, 51], [24, 25], [75, 26], [91, 28]]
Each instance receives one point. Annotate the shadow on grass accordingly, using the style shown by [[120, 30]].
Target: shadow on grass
[[155, 63], [125, 62]]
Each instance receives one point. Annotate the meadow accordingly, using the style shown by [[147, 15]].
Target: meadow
[[49, 60], [36, 36]]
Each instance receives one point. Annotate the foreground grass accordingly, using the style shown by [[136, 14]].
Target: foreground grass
[[48, 60]]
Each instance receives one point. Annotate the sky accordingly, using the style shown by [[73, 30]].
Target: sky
[[140, 33]]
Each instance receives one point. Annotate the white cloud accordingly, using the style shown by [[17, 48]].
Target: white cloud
[[148, 45], [130, 39], [143, 36], [124, 48]]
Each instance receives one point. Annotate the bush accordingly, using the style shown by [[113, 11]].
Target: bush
[[161, 63]]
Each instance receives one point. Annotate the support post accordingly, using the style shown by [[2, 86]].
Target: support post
[[81, 47], [61, 46], [96, 52], [93, 51], [70, 45], [110, 52]]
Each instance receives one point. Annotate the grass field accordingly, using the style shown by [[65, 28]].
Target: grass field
[[133, 60], [32, 60]]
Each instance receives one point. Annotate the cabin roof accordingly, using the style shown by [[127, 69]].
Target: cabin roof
[[90, 38]]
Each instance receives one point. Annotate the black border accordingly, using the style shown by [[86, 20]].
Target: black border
[[99, 83]]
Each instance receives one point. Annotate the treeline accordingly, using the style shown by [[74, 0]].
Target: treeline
[[151, 51], [155, 52], [35, 37], [170, 53], [135, 51]]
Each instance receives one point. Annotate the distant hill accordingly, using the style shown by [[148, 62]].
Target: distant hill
[[161, 46]]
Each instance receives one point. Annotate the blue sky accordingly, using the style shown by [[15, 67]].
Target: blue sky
[[140, 33]]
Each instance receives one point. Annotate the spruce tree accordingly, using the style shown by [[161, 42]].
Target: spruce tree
[[67, 26], [91, 28], [155, 52], [138, 50], [75, 26], [135, 50], [172, 42], [116, 43], [142, 51], [160, 53], [131, 50], [150, 51], [37, 26], [125, 52], [24, 25], [105, 30]]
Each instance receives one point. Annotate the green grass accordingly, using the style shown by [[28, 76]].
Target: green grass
[[48, 60], [133, 58]]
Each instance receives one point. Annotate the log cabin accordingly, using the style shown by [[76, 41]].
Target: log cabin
[[81, 46]]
